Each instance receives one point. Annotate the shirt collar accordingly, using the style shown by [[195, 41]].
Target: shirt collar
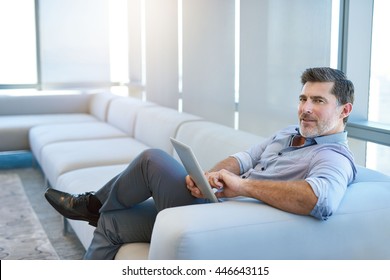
[[340, 137]]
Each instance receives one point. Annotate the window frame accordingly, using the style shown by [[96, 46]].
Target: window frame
[[355, 58]]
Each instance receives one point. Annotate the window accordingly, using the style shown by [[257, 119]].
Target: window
[[379, 99], [18, 44], [118, 31], [380, 59]]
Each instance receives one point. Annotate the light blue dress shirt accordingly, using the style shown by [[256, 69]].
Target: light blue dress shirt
[[325, 162]]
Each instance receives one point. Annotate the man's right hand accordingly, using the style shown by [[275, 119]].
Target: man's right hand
[[191, 186]]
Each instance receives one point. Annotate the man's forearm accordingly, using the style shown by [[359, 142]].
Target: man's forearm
[[291, 196], [231, 164]]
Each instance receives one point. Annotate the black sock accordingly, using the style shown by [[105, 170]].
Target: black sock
[[94, 204]]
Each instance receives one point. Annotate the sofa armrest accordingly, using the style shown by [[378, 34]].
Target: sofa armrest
[[252, 230], [230, 230]]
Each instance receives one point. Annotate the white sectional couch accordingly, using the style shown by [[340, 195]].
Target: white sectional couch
[[82, 154], [20, 113]]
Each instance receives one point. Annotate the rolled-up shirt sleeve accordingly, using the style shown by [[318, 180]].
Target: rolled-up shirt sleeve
[[330, 174], [249, 158], [244, 160]]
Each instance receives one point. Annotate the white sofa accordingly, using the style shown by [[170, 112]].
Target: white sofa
[[82, 154]]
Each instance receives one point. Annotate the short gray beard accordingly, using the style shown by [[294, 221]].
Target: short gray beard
[[319, 130]]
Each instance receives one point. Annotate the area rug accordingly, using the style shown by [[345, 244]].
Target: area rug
[[22, 236]]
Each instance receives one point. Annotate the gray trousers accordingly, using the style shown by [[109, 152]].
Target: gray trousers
[[127, 214]]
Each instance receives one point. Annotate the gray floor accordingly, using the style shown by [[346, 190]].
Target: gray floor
[[67, 245]]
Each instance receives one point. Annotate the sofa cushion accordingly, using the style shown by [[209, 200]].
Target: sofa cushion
[[14, 129], [212, 142], [88, 179], [59, 158], [120, 123], [99, 104], [42, 135], [155, 125], [123, 112]]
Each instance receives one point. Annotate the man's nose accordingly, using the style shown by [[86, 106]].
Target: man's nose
[[307, 107]]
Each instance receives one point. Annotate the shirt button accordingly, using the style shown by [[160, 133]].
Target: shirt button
[[263, 168], [280, 153]]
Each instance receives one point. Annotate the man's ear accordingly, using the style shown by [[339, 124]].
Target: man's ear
[[347, 109]]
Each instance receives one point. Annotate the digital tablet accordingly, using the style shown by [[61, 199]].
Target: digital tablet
[[194, 169]]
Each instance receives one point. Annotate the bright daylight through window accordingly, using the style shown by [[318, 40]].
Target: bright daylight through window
[[379, 103], [18, 45]]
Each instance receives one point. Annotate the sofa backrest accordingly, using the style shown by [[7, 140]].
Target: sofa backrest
[[99, 104], [45, 102], [155, 125], [368, 175], [212, 142], [122, 113]]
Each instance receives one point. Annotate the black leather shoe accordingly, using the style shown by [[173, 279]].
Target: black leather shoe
[[72, 206]]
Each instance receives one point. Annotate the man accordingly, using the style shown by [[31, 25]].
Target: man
[[301, 169]]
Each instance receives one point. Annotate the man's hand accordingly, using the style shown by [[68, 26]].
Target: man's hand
[[226, 182], [191, 186]]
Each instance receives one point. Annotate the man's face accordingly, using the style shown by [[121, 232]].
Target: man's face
[[319, 112]]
